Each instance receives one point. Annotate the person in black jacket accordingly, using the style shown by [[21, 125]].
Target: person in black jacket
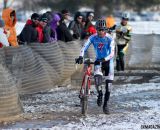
[[29, 33], [75, 26], [63, 33]]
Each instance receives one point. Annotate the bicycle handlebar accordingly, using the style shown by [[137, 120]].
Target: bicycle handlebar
[[86, 61], [89, 61]]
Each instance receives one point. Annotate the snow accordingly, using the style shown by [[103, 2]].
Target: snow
[[127, 120], [131, 106]]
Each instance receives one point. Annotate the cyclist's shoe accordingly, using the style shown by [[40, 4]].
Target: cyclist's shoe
[[105, 108], [99, 99]]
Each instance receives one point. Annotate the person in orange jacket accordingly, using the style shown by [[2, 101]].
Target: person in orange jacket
[[110, 21], [9, 17]]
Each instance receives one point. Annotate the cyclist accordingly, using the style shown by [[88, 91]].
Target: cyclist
[[123, 37], [104, 49]]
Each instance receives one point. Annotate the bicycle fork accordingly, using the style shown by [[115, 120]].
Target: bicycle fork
[[85, 88]]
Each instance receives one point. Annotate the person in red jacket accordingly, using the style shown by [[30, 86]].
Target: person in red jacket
[[42, 23], [89, 28]]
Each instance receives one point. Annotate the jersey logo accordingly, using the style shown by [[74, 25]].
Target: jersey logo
[[100, 46]]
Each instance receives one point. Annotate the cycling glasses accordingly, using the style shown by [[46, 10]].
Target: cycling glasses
[[102, 29]]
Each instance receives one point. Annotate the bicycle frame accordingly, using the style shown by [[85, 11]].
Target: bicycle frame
[[86, 80], [86, 85]]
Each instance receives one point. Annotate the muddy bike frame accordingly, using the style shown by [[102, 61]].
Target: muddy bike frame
[[86, 85]]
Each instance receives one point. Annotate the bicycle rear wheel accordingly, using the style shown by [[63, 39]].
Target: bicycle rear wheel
[[84, 99], [84, 102]]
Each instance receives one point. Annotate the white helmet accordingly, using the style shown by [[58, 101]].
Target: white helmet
[[125, 15]]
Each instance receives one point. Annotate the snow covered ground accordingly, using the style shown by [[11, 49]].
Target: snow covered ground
[[134, 105]]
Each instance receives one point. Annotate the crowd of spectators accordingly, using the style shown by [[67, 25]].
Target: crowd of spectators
[[48, 27]]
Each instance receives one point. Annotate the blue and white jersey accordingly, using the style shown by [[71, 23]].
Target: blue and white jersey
[[103, 46]]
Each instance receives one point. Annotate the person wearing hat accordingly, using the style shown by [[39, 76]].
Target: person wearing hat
[[63, 33], [29, 34], [90, 16], [43, 21], [3, 36], [54, 24], [9, 17], [89, 28], [49, 31], [65, 16], [75, 26], [123, 37]]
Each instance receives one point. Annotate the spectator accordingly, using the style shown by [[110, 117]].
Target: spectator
[[83, 22], [54, 24], [123, 38], [110, 21], [66, 16], [29, 33], [40, 28], [63, 32], [9, 17], [3, 36], [89, 28], [47, 31], [49, 16], [75, 26]]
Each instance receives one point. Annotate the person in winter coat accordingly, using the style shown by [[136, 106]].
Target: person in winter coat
[[75, 26], [54, 24], [110, 21], [89, 28], [43, 21], [29, 33], [66, 16], [123, 38], [47, 31], [9, 17], [3, 36], [63, 32]]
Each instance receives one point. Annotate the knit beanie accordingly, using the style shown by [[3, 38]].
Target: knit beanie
[[43, 18], [35, 16]]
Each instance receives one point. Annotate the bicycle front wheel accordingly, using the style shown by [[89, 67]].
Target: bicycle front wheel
[[84, 99]]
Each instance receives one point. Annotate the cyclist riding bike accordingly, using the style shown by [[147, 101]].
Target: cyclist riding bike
[[123, 37], [104, 49]]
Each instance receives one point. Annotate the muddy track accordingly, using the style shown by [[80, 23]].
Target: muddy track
[[133, 93]]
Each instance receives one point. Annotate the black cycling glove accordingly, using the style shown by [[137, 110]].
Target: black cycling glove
[[79, 60]]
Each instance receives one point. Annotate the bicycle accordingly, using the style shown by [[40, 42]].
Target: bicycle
[[86, 85], [85, 90]]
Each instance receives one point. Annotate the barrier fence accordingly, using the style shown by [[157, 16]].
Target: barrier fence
[[38, 67]]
